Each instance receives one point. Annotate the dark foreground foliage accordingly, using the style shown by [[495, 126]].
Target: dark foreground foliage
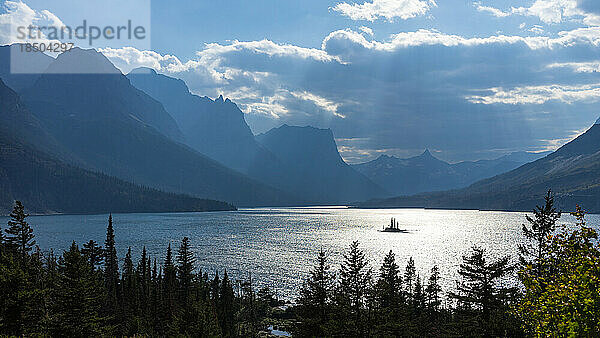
[[88, 291]]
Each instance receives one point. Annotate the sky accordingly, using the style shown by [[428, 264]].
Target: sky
[[466, 79]]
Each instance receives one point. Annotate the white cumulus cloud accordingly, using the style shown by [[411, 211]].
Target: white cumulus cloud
[[547, 11], [18, 14], [492, 10], [128, 58], [386, 9]]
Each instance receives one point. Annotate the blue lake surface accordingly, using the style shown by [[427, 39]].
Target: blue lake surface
[[278, 246]]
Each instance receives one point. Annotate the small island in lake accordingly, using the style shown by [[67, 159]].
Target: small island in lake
[[393, 227]]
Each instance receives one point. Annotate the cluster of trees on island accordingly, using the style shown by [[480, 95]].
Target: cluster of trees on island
[[86, 292]]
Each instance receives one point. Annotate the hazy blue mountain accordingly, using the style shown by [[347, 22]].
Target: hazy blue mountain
[[46, 184], [216, 128], [426, 173], [18, 124], [102, 92], [572, 172], [119, 130], [26, 71], [316, 169]]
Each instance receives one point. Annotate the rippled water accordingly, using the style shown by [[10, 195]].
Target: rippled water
[[277, 246]]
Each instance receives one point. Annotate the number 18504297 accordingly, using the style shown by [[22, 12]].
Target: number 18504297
[[53, 47]]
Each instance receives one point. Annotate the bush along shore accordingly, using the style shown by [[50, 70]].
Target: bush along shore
[[85, 291]]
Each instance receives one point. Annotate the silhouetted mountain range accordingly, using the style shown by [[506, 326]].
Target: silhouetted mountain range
[[426, 173], [303, 161], [102, 93], [572, 172], [45, 184], [216, 128], [111, 127]]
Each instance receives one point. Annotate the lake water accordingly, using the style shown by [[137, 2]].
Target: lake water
[[278, 246]]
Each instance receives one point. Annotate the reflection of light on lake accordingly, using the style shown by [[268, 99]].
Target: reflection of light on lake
[[277, 246]]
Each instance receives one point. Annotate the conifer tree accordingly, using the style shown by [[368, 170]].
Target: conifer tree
[[155, 294], [13, 307], [226, 307], [93, 252], [541, 225], [389, 282], [410, 276], [78, 297], [215, 284], [419, 298], [315, 298], [355, 280], [433, 290], [143, 278], [248, 313], [19, 235], [185, 270], [128, 284], [169, 288], [480, 290], [111, 268]]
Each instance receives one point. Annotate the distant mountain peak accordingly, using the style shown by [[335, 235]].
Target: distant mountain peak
[[82, 61], [219, 99], [384, 157], [427, 153]]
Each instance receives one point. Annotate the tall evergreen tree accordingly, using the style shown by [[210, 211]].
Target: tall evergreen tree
[[410, 277], [19, 235], [541, 225], [128, 283], [481, 292], [155, 297], [215, 284], [434, 290], [14, 293], [388, 299], [93, 252], [185, 270], [389, 282], [315, 298], [78, 297], [144, 281], [249, 325], [419, 297], [226, 307], [169, 284], [355, 280], [111, 268]]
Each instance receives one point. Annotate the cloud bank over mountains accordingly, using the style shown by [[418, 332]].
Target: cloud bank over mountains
[[465, 97]]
